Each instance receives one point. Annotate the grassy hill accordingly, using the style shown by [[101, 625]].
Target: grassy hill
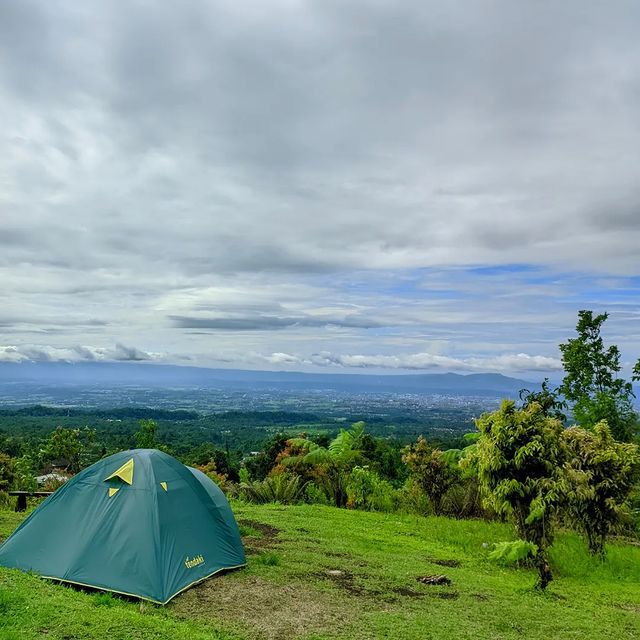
[[319, 572]]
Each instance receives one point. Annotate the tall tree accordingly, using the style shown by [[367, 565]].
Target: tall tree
[[431, 470], [592, 384], [601, 474], [519, 459]]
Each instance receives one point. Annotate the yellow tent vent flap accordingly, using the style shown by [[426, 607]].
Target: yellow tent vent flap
[[113, 491], [163, 485], [125, 472]]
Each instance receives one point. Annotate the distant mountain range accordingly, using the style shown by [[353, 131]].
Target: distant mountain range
[[152, 375]]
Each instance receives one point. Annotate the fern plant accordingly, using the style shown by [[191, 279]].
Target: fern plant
[[285, 488]]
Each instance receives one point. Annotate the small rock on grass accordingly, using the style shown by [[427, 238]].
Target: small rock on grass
[[436, 579]]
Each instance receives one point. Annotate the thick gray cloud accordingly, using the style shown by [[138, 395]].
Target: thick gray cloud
[[190, 176], [76, 353], [266, 322]]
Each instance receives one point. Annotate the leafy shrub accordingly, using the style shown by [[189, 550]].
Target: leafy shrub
[[513, 552], [24, 475], [412, 499], [366, 490], [211, 471], [314, 494], [601, 474], [285, 488], [431, 471], [332, 481], [244, 475]]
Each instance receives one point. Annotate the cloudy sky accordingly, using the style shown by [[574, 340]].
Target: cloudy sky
[[318, 185]]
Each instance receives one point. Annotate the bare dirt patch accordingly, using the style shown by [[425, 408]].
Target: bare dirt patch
[[343, 579], [266, 530], [346, 580], [445, 595], [268, 539], [266, 610], [408, 593]]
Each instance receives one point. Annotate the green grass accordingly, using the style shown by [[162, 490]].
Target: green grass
[[317, 572]]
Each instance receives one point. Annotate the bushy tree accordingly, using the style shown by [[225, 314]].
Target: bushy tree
[[210, 469], [601, 474], [64, 445], [146, 435], [431, 471], [219, 461], [260, 465], [385, 458], [519, 461], [592, 384]]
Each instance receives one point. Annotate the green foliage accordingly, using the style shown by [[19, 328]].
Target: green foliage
[[315, 495], [145, 437], [431, 471], [7, 472], [285, 488], [72, 449], [261, 464], [513, 552], [347, 444], [24, 474], [519, 461], [328, 467], [600, 477], [550, 400], [367, 491], [464, 499], [65, 446], [268, 558], [591, 382]]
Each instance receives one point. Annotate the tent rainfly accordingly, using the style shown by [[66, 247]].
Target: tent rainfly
[[138, 523]]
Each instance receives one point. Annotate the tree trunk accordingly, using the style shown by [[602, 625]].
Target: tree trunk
[[544, 571]]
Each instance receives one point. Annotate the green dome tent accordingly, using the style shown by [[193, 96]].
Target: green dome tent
[[138, 523]]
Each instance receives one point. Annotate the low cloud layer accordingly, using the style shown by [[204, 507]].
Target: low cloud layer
[[427, 361], [415, 183], [42, 353], [515, 363]]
